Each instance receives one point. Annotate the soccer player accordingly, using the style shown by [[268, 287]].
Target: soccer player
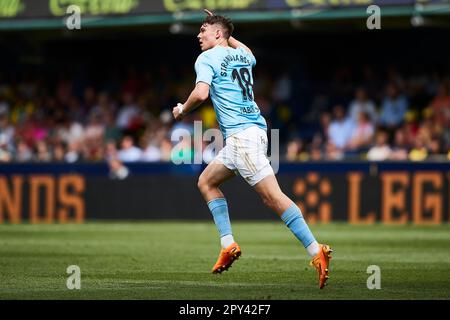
[[224, 71]]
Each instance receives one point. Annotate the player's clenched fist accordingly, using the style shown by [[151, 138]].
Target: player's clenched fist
[[178, 111]]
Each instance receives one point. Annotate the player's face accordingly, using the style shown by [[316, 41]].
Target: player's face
[[207, 36]]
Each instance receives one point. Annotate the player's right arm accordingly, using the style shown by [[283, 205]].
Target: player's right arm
[[205, 73], [197, 96]]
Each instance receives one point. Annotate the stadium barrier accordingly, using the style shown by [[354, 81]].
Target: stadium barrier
[[356, 192]]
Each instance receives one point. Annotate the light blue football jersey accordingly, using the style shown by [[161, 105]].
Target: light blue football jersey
[[228, 71]]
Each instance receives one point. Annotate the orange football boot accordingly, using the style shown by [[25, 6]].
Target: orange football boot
[[227, 257], [321, 262]]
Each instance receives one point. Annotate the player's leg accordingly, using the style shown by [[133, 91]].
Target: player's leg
[[275, 199], [290, 213], [249, 150], [208, 183], [211, 178]]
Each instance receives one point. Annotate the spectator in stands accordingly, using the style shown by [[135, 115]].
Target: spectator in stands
[[74, 152], [152, 153], [434, 147], [393, 108], [111, 150], [6, 132], [128, 111], [21, 111], [362, 134], [104, 106], [381, 150], [315, 151], [5, 155], [157, 130], [4, 105], [293, 150], [23, 152], [59, 151], [111, 132], [427, 130], [360, 104], [340, 129], [440, 105], [42, 152], [325, 121], [93, 138], [400, 148], [410, 127], [129, 152], [32, 130], [419, 152], [166, 150], [138, 121], [333, 153], [68, 131]]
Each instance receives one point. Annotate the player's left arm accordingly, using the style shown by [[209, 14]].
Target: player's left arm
[[197, 96], [232, 42]]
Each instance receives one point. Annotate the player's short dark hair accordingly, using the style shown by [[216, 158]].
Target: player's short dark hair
[[224, 22]]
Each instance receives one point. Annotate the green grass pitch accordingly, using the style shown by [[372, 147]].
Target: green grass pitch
[[172, 260]]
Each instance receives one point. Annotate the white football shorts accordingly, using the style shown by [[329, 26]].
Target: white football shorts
[[245, 152]]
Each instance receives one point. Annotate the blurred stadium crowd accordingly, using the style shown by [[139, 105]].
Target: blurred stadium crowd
[[383, 115]]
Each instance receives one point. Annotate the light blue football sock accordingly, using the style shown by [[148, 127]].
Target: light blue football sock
[[293, 218], [219, 210]]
